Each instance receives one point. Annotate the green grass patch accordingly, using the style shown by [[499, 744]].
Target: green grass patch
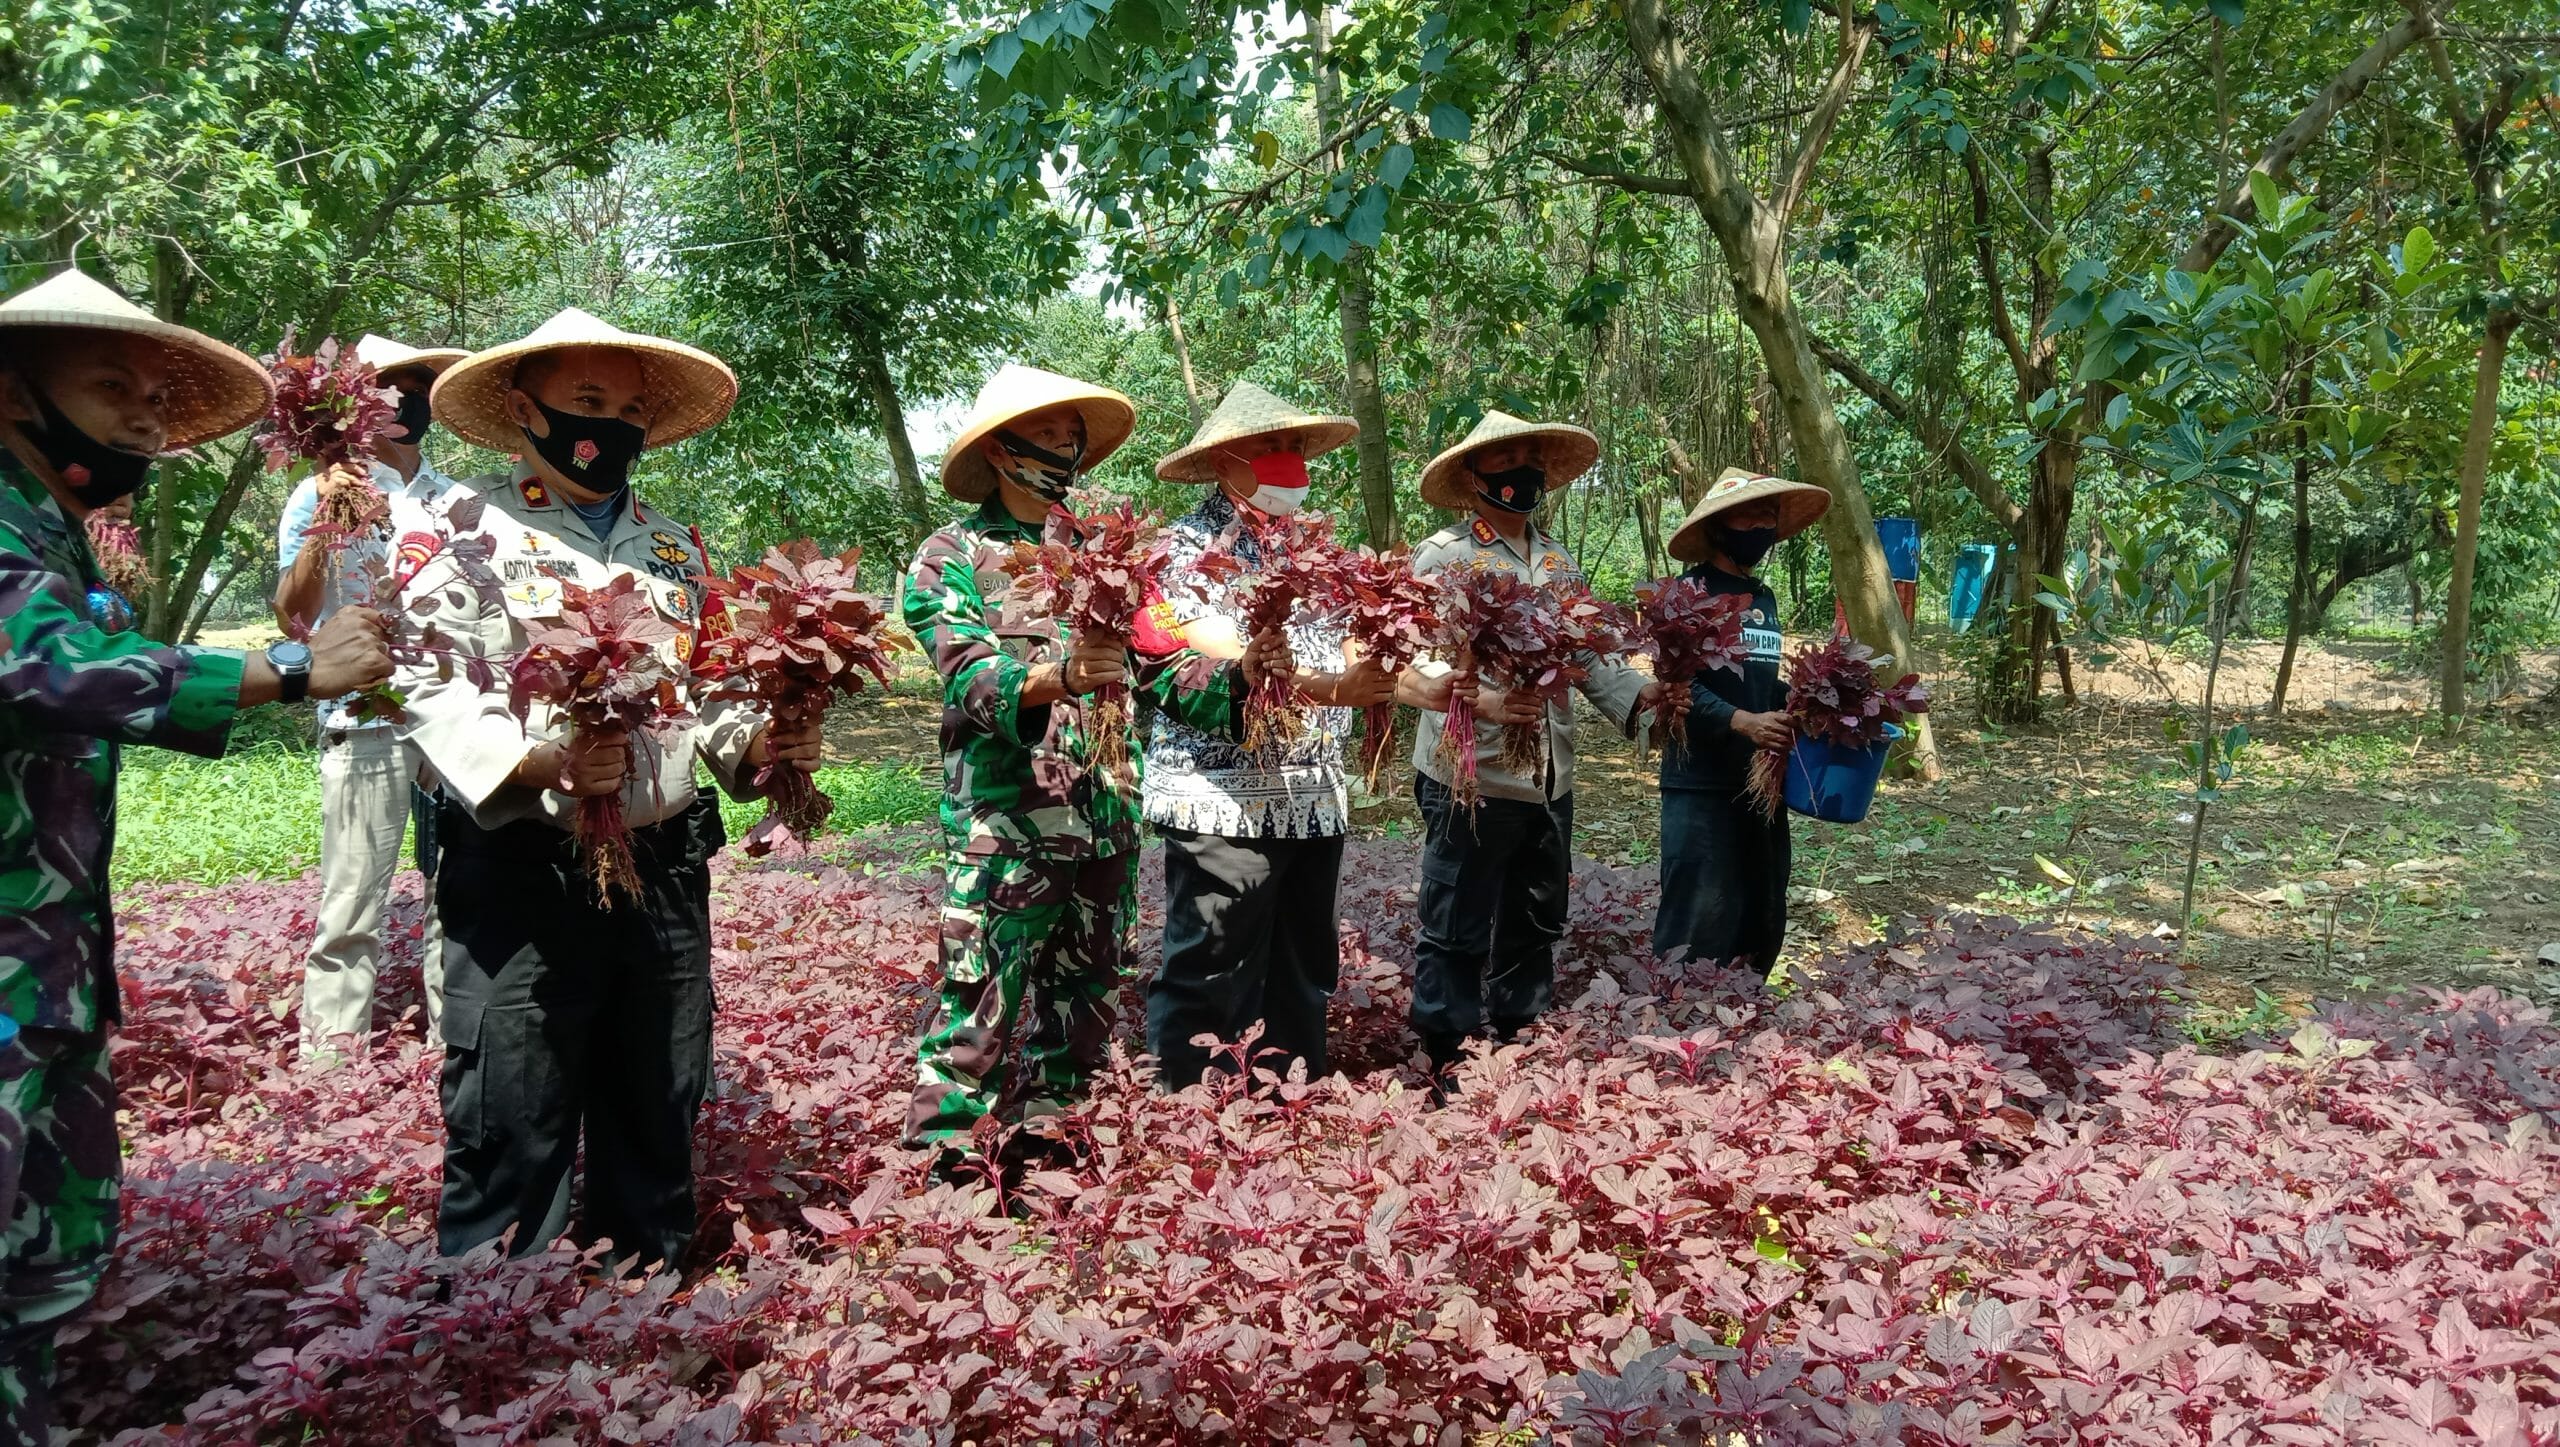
[[256, 811]]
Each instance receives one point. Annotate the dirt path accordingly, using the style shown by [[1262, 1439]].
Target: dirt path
[[2357, 849]]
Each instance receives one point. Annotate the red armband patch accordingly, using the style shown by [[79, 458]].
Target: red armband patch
[[1157, 633]]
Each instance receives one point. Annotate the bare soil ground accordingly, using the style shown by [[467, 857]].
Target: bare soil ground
[[2358, 849]]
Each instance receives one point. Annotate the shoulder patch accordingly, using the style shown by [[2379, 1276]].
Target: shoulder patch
[[669, 548], [1484, 534], [533, 492]]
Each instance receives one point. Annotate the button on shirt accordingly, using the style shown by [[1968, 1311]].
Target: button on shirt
[[1207, 782], [1612, 686], [71, 695], [538, 544], [362, 561]]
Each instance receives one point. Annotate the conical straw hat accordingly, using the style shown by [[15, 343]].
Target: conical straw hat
[[385, 355], [1570, 451], [1249, 411], [691, 389], [1017, 391], [213, 389], [1799, 504]]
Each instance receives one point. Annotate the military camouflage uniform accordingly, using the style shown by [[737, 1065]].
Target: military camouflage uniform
[[1041, 851], [70, 694]]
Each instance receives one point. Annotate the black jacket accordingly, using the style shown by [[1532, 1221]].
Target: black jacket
[[1717, 758]]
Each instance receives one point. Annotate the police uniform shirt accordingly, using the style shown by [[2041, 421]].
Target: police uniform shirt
[[537, 542]]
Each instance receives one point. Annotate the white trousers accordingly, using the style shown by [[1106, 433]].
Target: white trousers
[[365, 777]]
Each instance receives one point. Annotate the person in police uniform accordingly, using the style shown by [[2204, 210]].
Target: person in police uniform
[[1492, 899], [566, 1015]]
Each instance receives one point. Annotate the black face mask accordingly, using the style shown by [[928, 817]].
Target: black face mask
[[91, 471], [1747, 546], [1039, 471], [1517, 489], [417, 414], [594, 452]]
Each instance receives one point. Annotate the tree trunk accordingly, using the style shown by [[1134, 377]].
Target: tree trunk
[[2297, 606], [2466, 524], [1359, 340], [1751, 235], [1182, 354], [892, 417]]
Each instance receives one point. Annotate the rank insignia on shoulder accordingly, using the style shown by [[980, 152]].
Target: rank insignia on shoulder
[[1484, 534], [534, 493], [668, 548]]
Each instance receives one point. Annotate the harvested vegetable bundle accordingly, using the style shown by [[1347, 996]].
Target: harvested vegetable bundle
[[117, 545], [1835, 694], [329, 410], [791, 634], [416, 644], [1091, 574], [1689, 628], [1393, 616], [1298, 558], [600, 666]]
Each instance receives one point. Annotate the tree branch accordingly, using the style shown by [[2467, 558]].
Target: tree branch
[[1940, 441], [2342, 91], [1623, 180], [1854, 35], [1986, 260]]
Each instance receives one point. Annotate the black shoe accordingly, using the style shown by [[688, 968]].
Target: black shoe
[[1444, 1052]]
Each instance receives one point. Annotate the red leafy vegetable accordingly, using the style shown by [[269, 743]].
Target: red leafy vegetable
[[1688, 628], [601, 666], [1522, 639], [117, 545], [1835, 694], [329, 409], [791, 634], [1393, 617], [1091, 574], [1298, 560]]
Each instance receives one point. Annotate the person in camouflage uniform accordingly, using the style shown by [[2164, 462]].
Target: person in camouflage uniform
[[91, 389], [1041, 849]]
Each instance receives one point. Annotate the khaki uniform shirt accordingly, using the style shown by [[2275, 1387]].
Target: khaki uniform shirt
[[469, 736], [1612, 686]]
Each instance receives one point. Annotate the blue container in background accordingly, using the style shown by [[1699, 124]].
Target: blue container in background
[[1901, 539], [1972, 581], [8, 1029], [1833, 784]]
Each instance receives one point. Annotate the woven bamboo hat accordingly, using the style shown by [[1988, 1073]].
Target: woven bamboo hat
[[1249, 411], [213, 389], [1799, 504], [1570, 451], [692, 389], [1018, 391], [386, 356]]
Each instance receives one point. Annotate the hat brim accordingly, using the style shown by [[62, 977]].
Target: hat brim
[[435, 360], [1109, 418], [1196, 462], [693, 389], [1569, 452], [1800, 506], [214, 389]]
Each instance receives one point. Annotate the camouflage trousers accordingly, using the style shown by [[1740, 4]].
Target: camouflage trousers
[[59, 1165], [1044, 936]]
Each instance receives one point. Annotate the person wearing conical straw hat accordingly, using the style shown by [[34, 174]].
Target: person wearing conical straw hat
[[1252, 829], [92, 390], [566, 1015], [1492, 899], [1724, 863], [1040, 845], [367, 778]]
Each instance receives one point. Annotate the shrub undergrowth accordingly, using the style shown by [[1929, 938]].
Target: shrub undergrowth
[[1971, 1186]]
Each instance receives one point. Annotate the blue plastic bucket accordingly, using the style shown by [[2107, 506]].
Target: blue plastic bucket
[[1901, 539], [1833, 784], [1973, 579]]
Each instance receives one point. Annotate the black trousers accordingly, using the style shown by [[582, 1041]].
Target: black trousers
[[1493, 906], [565, 1019], [1249, 934], [1724, 879]]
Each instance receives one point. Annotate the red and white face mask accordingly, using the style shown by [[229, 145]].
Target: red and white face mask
[[1281, 483]]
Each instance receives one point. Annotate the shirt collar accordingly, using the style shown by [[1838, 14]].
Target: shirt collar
[[995, 517], [30, 490]]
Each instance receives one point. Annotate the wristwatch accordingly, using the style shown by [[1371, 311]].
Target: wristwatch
[[292, 663]]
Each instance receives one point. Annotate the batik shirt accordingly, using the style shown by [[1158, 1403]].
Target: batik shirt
[[1017, 782], [71, 694], [1209, 783], [351, 582]]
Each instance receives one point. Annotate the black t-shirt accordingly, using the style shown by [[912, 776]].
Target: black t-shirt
[[1716, 757]]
